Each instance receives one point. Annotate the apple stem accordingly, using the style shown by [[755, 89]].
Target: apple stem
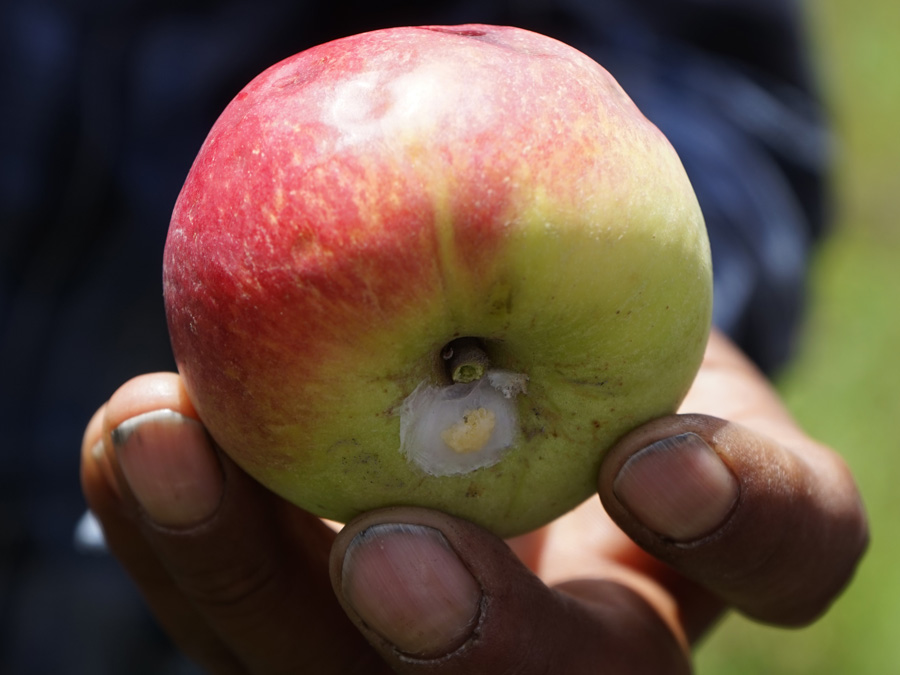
[[466, 360]]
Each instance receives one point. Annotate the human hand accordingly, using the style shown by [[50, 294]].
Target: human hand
[[697, 515]]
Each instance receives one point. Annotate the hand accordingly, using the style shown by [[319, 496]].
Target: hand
[[698, 515]]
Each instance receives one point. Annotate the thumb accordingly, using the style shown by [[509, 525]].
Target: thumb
[[437, 594], [775, 530]]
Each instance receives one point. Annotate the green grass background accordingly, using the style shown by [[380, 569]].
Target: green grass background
[[844, 385]]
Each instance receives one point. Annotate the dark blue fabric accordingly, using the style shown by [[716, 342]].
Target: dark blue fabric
[[104, 105]]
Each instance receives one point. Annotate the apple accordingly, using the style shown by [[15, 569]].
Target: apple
[[436, 266]]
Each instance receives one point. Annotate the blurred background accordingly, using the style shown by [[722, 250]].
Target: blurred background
[[844, 384]]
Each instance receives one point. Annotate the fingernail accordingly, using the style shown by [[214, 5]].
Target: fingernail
[[170, 466], [408, 585], [678, 487]]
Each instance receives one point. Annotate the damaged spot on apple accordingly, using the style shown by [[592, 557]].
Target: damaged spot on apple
[[455, 429], [472, 432]]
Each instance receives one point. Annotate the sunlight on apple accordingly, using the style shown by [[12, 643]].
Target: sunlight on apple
[[379, 104]]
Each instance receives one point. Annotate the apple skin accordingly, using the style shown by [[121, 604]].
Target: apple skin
[[359, 205]]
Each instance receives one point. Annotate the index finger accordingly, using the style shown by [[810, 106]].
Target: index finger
[[251, 576]]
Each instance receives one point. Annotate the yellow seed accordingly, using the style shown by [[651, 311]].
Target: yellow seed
[[472, 432]]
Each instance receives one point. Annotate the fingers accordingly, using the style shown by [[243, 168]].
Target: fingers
[[440, 595], [238, 577], [124, 535], [751, 514], [773, 527]]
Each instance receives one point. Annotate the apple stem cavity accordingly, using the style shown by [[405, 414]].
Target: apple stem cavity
[[466, 425], [466, 360]]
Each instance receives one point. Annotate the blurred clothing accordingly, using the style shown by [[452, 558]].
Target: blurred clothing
[[104, 106]]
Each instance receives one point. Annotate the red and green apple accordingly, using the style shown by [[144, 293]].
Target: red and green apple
[[440, 266]]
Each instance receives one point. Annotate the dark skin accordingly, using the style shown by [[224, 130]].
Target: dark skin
[[624, 585]]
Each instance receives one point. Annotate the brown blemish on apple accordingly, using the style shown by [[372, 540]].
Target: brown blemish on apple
[[474, 490]]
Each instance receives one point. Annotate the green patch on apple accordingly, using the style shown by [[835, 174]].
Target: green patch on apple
[[435, 266]]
